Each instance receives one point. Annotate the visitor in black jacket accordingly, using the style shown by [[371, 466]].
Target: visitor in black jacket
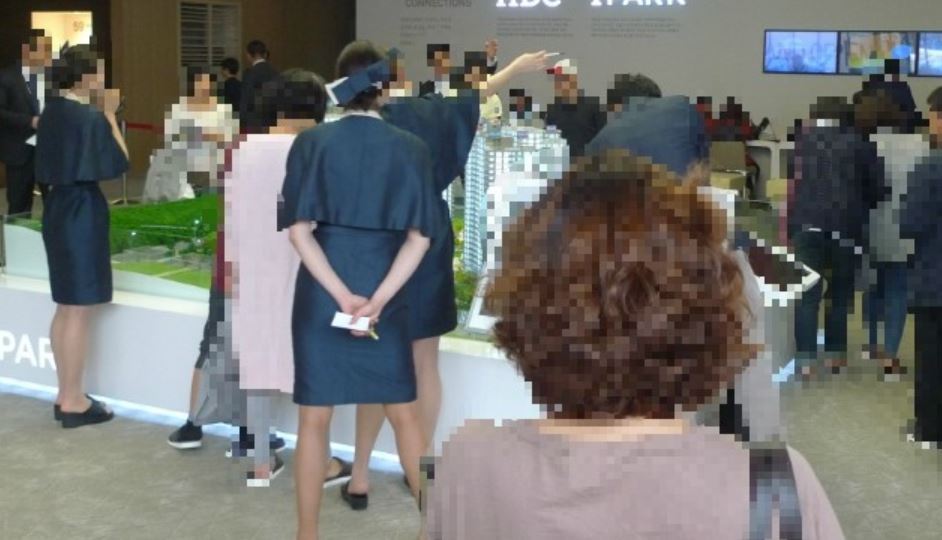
[[259, 72], [231, 87], [838, 179], [919, 219]]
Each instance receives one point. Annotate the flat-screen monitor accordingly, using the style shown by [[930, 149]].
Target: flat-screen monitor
[[930, 54], [864, 53], [800, 52]]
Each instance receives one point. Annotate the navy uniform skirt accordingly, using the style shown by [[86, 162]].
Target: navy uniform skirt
[[75, 233], [331, 366], [433, 310]]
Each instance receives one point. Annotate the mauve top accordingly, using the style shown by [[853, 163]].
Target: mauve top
[[514, 482]]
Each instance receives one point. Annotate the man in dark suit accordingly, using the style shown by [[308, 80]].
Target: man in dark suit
[[259, 72], [22, 97], [231, 87]]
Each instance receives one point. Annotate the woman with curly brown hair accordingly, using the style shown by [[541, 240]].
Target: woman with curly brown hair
[[625, 312]]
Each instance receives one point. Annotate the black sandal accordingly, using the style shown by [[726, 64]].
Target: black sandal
[[57, 410], [95, 414], [357, 501]]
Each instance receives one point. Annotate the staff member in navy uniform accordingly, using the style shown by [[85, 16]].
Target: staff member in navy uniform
[[361, 207], [78, 145], [22, 96], [447, 126]]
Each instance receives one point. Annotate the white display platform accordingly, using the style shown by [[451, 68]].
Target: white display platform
[[143, 349], [771, 168]]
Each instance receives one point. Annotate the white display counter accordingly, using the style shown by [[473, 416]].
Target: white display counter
[[143, 348]]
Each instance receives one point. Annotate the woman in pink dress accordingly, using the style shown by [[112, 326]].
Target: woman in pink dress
[[260, 259]]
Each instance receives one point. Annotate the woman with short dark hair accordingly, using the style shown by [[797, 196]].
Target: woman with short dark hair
[[78, 145], [623, 310], [197, 131]]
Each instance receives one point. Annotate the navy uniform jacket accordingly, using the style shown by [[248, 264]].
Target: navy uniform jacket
[[75, 145], [920, 219], [329, 179], [669, 131], [447, 127]]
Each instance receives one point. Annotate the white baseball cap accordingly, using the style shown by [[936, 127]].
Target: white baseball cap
[[563, 67]]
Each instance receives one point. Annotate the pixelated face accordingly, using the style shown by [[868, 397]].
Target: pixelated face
[[935, 123], [519, 103], [565, 85], [442, 62], [38, 52], [203, 85], [93, 81], [476, 77], [490, 48], [399, 84]]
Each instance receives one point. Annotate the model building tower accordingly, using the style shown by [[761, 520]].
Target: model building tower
[[498, 150]]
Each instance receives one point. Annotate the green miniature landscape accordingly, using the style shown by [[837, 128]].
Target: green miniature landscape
[[158, 224], [176, 241], [188, 227], [167, 224], [170, 272]]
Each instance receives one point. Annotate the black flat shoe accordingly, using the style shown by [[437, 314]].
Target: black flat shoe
[[356, 501], [95, 414], [57, 410]]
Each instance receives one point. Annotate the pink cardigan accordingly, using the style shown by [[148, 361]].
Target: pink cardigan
[[263, 262]]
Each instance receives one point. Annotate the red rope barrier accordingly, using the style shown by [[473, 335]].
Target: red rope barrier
[[144, 127]]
